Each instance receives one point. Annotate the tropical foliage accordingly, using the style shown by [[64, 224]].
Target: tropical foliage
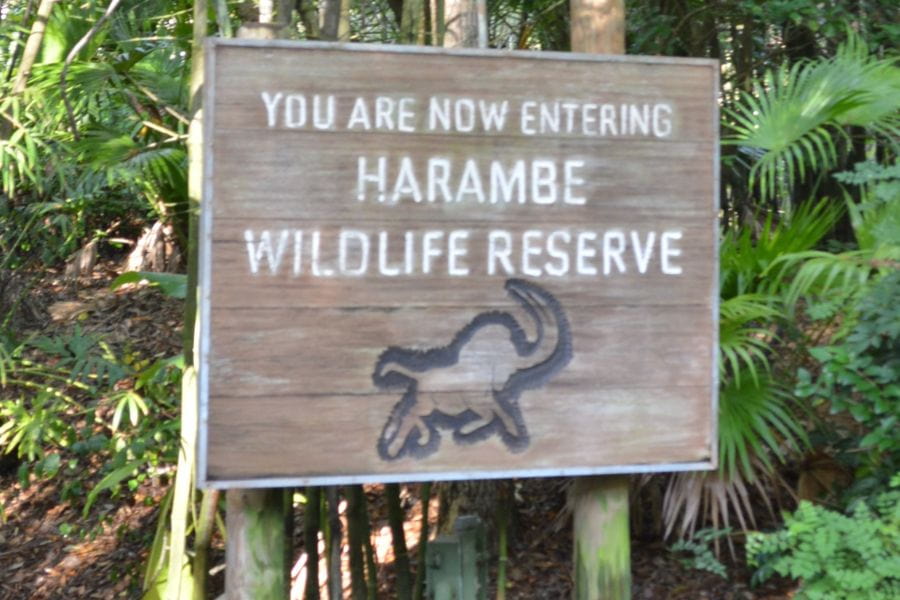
[[836, 555], [94, 123], [790, 126]]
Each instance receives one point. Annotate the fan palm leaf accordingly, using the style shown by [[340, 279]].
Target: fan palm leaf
[[743, 345], [755, 422], [787, 125], [746, 258]]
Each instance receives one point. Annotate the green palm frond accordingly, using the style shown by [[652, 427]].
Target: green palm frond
[[878, 84], [876, 225], [744, 343], [83, 79], [788, 124], [823, 273], [756, 427], [755, 423], [876, 219], [163, 77], [784, 126], [126, 161], [746, 258]]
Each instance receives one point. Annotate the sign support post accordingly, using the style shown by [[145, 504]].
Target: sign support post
[[602, 551], [258, 547]]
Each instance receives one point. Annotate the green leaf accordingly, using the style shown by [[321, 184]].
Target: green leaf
[[49, 465], [173, 285], [110, 481]]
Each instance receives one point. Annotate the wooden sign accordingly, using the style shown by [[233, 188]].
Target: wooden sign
[[419, 264]]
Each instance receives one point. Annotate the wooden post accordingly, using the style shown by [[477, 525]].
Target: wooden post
[[602, 552], [465, 24], [598, 26], [255, 565], [257, 550]]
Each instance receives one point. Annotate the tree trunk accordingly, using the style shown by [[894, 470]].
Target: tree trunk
[[331, 19], [419, 585], [412, 23], [371, 566], [310, 18]]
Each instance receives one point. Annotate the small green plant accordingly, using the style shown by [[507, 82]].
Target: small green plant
[[695, 553], [860, 376], [836, 556], [71, 402]]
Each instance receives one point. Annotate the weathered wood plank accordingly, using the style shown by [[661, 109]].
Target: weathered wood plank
[[579, 430], [342, 359], [420, 288]]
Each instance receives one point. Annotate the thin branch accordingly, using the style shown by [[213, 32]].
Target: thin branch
[[155, 126], [169, 109], [71, 57], [684, 21], [14, 121], [161, 143]]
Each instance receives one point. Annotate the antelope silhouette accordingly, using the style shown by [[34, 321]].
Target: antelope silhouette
[[472, 385]]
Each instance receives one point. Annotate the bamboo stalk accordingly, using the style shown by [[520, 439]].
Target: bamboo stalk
[[503, 512], [425, 499], [223, 19], [335, 580], [371, 567], [311, 541], [15, 43], [33, 45], [401, 552], [355, 541], [205, 525]]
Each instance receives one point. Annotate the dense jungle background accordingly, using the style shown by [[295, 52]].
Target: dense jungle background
[[97, 200]]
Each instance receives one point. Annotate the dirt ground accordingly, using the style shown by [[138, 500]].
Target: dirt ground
[[38, 562], [41, 558]]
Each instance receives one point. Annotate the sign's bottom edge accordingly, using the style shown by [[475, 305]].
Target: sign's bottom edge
[[268, 482]]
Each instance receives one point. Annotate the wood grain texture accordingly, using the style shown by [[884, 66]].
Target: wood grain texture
[[565, 324]]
